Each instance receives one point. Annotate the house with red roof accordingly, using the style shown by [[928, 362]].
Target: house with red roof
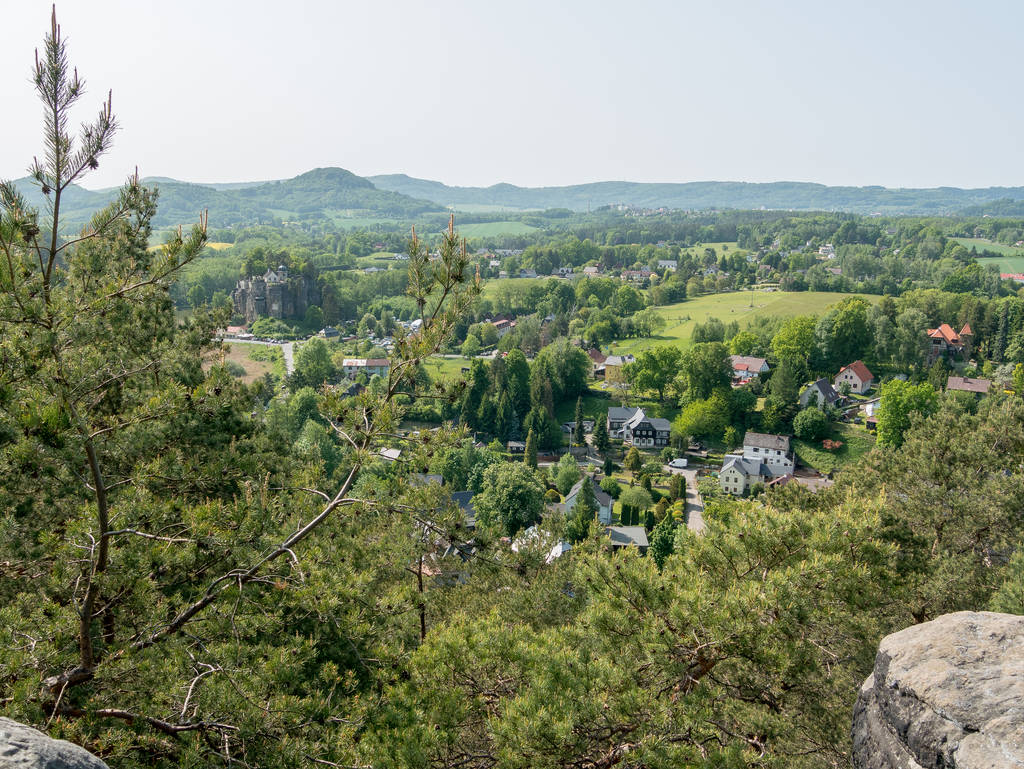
[[746, 367], [945, 341], [857, 376]]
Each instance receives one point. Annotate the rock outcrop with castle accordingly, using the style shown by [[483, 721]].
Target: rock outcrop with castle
[[275, 294]]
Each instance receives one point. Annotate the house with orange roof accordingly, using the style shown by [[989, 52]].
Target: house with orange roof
[[945, 341], [857, 376]]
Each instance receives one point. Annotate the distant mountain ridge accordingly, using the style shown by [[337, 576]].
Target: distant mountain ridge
[[705, 195], [344, 199]]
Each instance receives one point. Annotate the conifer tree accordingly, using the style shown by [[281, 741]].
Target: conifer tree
[[580, 436], [601, 440], [170, 547], [633, 461], [582, 513], [531, 449]]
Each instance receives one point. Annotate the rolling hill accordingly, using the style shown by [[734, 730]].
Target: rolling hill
[[705, 195], [323, 193], [341, 198]]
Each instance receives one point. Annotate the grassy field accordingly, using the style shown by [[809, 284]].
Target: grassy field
[[736, 306], [1011, 258], [594, 407], [490, 229], [218, 246], [984, 244], [254, 369], [446, 368], [1005, 263], [857, 442], [493, 286], [722, 247], [383, 259]]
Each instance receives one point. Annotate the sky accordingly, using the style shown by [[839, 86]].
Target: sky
[[898, 93]]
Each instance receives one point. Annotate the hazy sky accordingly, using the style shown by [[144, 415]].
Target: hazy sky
[[539, 92]]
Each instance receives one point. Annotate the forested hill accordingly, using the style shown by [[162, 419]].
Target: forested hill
[[341, 198], [321, 194], [704, 195]]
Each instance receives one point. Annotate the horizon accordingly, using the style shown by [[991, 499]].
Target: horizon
[[673, 93], [369, 177]]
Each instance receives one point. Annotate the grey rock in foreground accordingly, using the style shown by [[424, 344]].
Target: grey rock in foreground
[[946, 694], [22, 747]]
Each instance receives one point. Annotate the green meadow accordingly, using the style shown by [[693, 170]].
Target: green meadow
[[739, 306]]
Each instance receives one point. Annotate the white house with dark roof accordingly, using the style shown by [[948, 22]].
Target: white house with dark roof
[[647, 432], [603, 498], [739, 473], [820, 393], [617, 417], [773, 450], [634, 426]]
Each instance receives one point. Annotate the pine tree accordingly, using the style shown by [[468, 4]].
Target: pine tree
[[609, 467], [662, 540], [579, 437], [601, 440], [503, 418], [531, 449], [677, 486], [168, 542]]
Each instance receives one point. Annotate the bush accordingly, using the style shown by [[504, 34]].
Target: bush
[[611, 487], [810, 425], [551, 495], [234, 368]]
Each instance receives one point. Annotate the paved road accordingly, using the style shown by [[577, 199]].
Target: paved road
[[287, 350], [694, 504]]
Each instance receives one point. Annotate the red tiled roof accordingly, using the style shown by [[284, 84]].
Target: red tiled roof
[[858, 368], [966, 331], [944, 332]]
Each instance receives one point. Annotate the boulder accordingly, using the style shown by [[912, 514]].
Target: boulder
[[946, 694], [22, 747]]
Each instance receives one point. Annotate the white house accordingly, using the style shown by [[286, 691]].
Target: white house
[[646, 432], [504, 326], [820, 393], [603, 498], [633, 426], [746, 367], [738, 474], [772, 450], [857, 376], [668, 264], [369, 366]]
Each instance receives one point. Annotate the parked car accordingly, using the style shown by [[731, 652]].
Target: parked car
[[678, 463]]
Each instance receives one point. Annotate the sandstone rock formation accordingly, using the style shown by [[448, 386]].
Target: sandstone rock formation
[[946, 694], [22, 747]]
